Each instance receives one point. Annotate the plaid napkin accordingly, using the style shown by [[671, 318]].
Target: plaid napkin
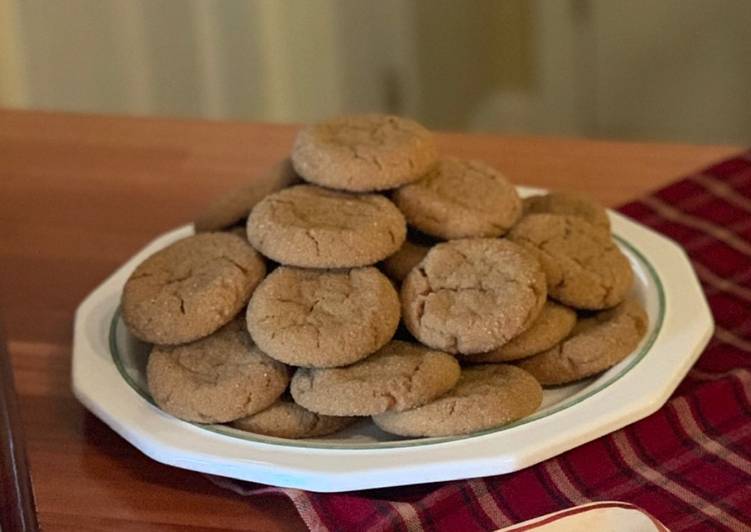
[[689, 464], [613, 516]]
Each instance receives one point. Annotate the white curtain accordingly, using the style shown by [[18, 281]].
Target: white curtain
[[675, 69], [261, 59]]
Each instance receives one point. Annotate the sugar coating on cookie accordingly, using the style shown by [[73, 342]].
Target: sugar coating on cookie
[[473, 295], [460, 199], [216, 379], [312, 227], [596, 344], [234, 206], [554, 323], [191, 288], [286, 419], [319, 318], [399, 376], [364, 152], [583, 266], [486, 396], [568, 203], [398, 265]]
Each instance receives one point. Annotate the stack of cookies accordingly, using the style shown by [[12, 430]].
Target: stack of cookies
[[497, 296]]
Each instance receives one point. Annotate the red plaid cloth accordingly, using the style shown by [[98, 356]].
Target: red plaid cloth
[[689, 464]]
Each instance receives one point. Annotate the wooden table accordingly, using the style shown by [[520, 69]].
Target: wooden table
[[80, 194]]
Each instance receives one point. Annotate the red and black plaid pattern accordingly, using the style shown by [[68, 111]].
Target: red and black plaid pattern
[[689, 464]]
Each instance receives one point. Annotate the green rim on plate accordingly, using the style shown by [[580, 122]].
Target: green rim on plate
[[566, 403]]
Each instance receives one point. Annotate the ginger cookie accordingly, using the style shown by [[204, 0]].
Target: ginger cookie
[[237, 230], [286, 419], [583, 266], [473, 295], [486, 396], [319, 318], [554, 323], [460, 199], [398, 265], [364, 152], [596, 344], [312, 227], [191, 288], [216, 379], [398, 377], [568, 203], [234, 206]]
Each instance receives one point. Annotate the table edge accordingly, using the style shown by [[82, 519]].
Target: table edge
[[18, 507]]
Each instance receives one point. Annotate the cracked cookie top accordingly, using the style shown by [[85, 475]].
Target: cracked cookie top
[[319, 318], [583, 266], [364, 152], [486, 396], [568, 203], [287, 419], [233, 207], [216, 379], [595, 344], [312, 227], [191, 288], [552, 325], [473, 295], [460, 199], [400, 376]]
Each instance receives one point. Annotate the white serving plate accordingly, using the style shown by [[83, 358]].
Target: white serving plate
[[108, 378]]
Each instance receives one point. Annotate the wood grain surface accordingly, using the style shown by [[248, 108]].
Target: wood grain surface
[[80, 194]]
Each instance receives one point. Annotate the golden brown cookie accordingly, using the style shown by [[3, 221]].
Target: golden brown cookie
[[234, 206], [364, 152], [554, 323], [596, 344], [312, 227], [568, 203], [583, 266], [191, 288], [216, 379], [471, 296], [319, 318], [486, 396], [399, 376], [398, 265], [460, 199], [286, 419], [237, 230]]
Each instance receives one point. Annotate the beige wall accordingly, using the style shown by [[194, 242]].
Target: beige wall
[[466, 55], [674, 69], [13, 89], [683, 71]]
